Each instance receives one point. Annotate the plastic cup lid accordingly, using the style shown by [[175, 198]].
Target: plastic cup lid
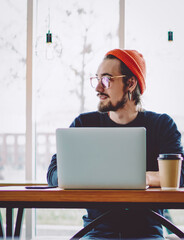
[[173, 156]]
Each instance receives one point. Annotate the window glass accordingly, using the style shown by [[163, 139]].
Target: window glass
[[62, 88], [62, 67], [12, 89], [148, 33]]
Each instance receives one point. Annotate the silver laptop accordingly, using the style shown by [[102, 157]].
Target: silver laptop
[[101, 158]]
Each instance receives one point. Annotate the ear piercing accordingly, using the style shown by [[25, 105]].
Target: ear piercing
[[129, 95]]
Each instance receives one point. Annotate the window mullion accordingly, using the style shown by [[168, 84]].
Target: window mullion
[[122, 24], [30, 162]]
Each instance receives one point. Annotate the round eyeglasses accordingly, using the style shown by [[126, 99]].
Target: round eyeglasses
[[104, 80]]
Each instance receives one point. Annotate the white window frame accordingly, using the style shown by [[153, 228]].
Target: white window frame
[[122, 24], [30, 149]]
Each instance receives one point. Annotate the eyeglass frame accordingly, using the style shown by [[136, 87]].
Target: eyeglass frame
[[100, 79]]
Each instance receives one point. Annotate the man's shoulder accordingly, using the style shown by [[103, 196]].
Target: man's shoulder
[[156, 116], [158, 119]]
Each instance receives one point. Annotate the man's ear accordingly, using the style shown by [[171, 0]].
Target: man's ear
[[132, 83]]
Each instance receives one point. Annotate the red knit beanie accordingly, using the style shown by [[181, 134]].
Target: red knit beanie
[[135, 62]]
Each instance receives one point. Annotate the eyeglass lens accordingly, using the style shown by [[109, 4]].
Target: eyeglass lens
[[104, 81]]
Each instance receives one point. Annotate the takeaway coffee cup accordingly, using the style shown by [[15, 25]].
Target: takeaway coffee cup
[[170, 170]]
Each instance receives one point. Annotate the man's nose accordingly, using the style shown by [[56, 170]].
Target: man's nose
[[99, 87]]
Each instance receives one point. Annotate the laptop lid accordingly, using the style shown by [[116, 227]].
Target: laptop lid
[[101, 158]]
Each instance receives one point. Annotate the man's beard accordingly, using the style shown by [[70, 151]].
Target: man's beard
[[110, 107]]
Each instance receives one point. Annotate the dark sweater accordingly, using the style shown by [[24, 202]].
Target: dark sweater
[[162, 136]]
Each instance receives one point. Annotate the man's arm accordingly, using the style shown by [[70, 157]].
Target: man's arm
[[52, 178], [169, 141]]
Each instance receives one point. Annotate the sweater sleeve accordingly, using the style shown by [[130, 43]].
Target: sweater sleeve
[[170, 140], [52, 178]]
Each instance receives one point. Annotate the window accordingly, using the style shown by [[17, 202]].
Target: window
[[62, 68], [146, 29], [62, 87], [12, 90]]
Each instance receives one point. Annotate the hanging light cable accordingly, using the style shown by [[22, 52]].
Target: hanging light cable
[[49, 47]]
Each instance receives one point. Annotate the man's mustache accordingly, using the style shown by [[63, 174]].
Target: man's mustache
[[102, 94]]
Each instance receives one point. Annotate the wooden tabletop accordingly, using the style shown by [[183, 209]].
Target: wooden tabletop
[[156, 195]]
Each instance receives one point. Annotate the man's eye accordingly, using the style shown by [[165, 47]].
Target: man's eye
[[105, 81]]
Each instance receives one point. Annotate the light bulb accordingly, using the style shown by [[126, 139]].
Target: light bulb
[[49, 46]]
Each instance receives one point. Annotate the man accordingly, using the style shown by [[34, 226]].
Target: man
[[119, 83]]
